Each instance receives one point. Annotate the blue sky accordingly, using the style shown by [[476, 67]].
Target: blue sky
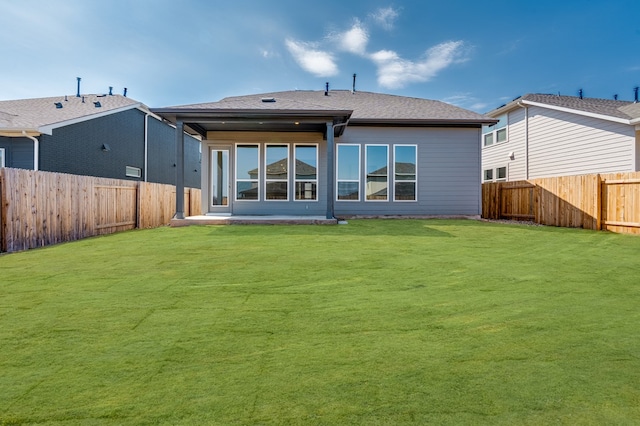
[[474, 54]]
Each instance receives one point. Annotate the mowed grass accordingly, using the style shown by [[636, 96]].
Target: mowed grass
[[377, 322]]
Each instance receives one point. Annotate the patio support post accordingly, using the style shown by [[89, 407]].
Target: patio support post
[[330, 169], [179, 170]]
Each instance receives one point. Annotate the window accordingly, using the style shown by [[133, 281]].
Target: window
[[495, 175], [348, 173], [219, 177], [277, 172], [131, 171], [247, 172], [501, 173], [496, 133], [306, 172], [376, 166], [2, 157], [404, 172]]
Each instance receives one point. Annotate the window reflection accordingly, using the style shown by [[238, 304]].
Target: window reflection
[[377, 174]]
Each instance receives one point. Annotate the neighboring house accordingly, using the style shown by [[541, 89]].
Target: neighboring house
[[95, 135], [551, 135], [338, 153]]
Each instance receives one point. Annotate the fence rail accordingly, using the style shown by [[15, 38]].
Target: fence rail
[[43, 208], [601, 201]]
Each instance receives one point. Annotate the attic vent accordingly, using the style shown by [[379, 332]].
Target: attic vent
[[268, 99], [97, 104], [58, 105]]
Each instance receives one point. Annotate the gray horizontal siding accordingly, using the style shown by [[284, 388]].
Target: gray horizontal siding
[[448, 171], [18, 152]]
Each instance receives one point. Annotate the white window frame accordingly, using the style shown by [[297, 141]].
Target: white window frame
[[134, 172], [296, 180], [286, 180], [338, 180], [2, 157], [493, 130], [415, 180], [366, 162], [494, 174], [235, 173]]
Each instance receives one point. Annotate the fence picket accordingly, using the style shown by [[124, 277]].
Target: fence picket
[[602, 201], [42, 208]]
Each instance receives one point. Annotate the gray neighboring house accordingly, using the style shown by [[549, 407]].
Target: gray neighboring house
[[110, 136], [541, 135], [339, 153]]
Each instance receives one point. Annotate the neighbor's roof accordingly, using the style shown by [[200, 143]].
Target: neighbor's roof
[[614, 110], [367, 107], [42, 115]]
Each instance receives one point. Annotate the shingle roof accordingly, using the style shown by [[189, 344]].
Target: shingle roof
[[612, 108], [34, 114], [366, 106]]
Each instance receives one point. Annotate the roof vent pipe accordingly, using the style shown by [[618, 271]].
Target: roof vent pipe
[[125, 92], [580, 93], [326, 89], [110, 90], [635, 94], [78, 92], [353, 89], [615, 97]]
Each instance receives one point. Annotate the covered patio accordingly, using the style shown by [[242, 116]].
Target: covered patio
[[210, 121]]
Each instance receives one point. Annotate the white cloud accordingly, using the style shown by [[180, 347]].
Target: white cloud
[[395, 72], [354, 40], [385, 17], [317, 62]]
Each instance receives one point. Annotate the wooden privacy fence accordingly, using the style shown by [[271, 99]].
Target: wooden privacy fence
[[602, 201], [43, 208]]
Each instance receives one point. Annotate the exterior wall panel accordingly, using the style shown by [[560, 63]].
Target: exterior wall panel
[[78, 148], [448, 171], [563, 144], [497, 155], [18, 152]]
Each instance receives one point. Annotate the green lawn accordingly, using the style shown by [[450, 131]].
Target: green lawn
[[378, 322]]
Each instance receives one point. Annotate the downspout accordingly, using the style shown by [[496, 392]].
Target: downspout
[[36, 149], [146, 145], [526, 140], [330, 165]]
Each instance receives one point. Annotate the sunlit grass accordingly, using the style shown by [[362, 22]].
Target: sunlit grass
[[374, 322]]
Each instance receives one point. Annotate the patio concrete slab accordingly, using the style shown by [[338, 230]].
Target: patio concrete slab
[[252, 220]]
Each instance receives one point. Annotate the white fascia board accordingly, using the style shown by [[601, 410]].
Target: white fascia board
[[578, 112], [48, 129]]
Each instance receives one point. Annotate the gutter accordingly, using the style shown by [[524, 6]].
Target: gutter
[[36, 149]]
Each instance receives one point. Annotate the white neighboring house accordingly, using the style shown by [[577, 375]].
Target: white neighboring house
[[551, 135]]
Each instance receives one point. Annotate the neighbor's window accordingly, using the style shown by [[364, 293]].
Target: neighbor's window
[[496, 133], [488, 175], [348, 172], [376, 166], [306, 172], [501, 173], [404, 172], [131, 171], [1, 157], [277, 172], [247, 172]]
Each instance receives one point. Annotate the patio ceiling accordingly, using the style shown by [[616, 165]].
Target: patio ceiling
[[201, 121]]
